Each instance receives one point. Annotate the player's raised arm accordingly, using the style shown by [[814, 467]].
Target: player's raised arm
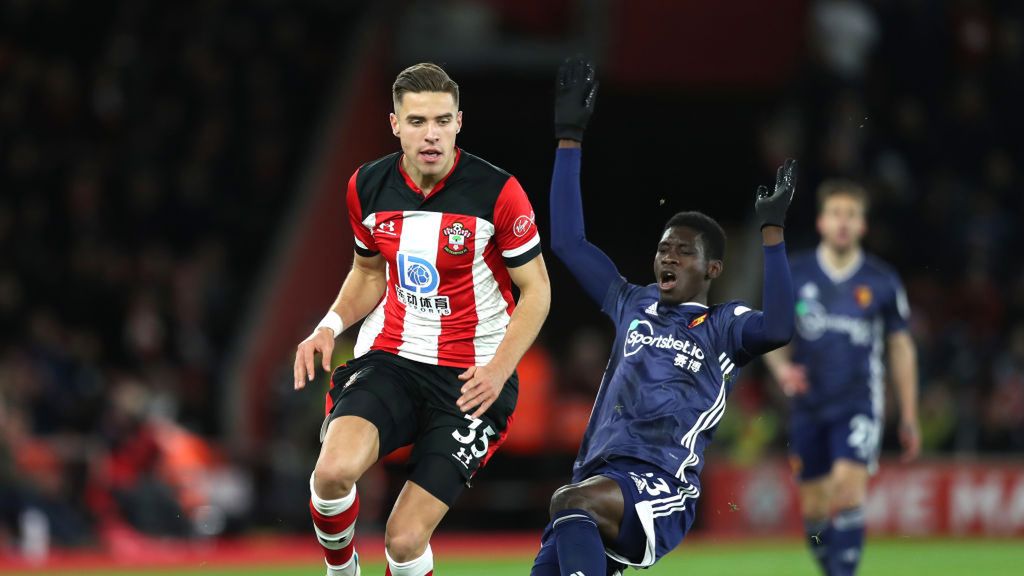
[[574, 103], [773, 328]]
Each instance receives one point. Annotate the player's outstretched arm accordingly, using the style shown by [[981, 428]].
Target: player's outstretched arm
[[773, 328], [360, 293], [574, 102]]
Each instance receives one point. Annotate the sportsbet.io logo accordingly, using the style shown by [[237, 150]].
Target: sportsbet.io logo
[[641, 333], [639, 330]]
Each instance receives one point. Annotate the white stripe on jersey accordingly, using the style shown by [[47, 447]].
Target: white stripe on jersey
[[420, 331], [491, 308], [374, 323], [372, 326], [512, 253], [877, 370], [708, 419], [369, 222]]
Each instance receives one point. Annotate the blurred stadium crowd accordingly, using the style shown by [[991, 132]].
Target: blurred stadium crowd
[[147, 150]]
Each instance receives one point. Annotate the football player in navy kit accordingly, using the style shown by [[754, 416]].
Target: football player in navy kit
[[850, 308], [636, 479], [440, 237]]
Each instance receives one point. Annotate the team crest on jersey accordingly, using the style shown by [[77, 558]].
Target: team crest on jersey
[[698, 320], [863, 295], [457, 235]]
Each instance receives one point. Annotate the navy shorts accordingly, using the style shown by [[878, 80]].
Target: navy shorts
[[816, 442], [659, 511]]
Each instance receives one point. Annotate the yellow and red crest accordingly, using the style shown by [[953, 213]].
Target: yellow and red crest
[[863, 295], [699, 320]]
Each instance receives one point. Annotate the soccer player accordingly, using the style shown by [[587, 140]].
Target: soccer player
[[850, 307], [636, 479], [440, 236]]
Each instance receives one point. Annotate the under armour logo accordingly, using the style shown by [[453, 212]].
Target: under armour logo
[[463, 457], [578, 573], [387, 228]]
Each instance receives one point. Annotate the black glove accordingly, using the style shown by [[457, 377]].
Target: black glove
[[574, 98], [771, 206]]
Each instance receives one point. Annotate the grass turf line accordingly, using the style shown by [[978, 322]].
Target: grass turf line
[[883, 558]]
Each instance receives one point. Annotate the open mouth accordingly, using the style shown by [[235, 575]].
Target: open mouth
[[430, 156], [667, 280]]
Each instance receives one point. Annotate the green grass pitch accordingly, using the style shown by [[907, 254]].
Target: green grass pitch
[[787, 558]]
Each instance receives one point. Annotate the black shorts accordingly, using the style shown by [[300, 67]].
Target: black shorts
[[414, 403]]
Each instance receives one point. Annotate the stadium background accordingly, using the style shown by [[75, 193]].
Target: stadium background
[[171, 225]]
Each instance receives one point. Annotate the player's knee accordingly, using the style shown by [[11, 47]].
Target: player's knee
[[815, 502], [405, 543], [816, 506], [848, 493], [334, 479], [576, 497], [570, 497]]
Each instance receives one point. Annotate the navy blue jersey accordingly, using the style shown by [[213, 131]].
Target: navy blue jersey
[[841, 328], [665, 386]]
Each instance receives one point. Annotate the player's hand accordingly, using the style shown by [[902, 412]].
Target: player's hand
[[482, 386], [910, 440], [321, 341], [575, 92], [771, 205], [793, 379]]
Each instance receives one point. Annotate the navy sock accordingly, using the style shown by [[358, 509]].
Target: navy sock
[[818, 532], [546, 562], [846, 542], [580, 550]]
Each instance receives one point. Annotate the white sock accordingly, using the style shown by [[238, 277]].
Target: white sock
[[331, 507], [419, 567]]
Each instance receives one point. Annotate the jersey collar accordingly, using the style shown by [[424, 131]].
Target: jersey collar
[[835, 275], [437, 187], [657, 305]]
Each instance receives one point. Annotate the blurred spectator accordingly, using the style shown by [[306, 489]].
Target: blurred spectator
[[1005, 410], [146, 150]]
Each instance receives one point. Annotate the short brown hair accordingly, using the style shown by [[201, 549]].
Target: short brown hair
[[424, 77], [842, 187]]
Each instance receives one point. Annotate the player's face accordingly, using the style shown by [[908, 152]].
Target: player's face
[[841, 222], [426, 123], [680, 267]]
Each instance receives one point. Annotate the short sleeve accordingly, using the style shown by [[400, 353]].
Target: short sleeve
[[896, 309], [365, 245], [515, 227]]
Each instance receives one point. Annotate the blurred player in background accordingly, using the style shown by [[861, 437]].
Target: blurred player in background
[[440, 237], [850, 308], [675, 359]]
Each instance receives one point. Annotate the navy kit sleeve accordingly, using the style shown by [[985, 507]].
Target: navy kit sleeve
[[591, 267], [773, 327], [896, 310]]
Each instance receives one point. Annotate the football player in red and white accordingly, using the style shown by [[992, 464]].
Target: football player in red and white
[[441, 236]]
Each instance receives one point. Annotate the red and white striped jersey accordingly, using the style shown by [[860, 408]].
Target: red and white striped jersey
[[448, 299]]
